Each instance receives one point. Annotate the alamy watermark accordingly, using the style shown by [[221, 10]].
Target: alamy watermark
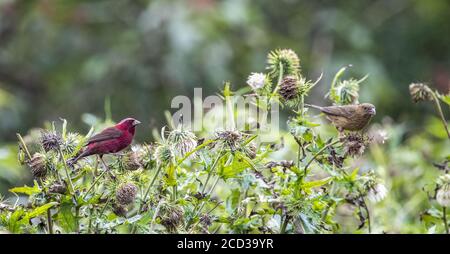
[[252, 114]]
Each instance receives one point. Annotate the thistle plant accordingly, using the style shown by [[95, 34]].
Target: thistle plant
[[225, 182], [420, 93]]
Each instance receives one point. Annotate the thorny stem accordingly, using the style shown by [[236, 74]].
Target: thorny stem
[[71, 188], [213, 166], [50, 222], [93, 184], [144, 199], [102, 211], [444, 218], [284, 225], [280, 79], [23, 145], [319, 152], [441, 114]]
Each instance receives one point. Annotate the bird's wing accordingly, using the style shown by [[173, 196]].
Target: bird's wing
[[344, 111], [107, 134]]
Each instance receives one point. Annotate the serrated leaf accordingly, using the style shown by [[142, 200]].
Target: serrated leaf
[[66, 218], [318, 183], [26, 189], [38, 211]]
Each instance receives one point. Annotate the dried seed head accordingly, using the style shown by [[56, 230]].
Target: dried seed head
[[443, 192], [38, 165], [119, 210], [420, 92], [132, 160], [335, 159], [126, 193], [58, 187], [172, 217], [377, 192], [286, 58], [206, 220], [182, 140], [289, 88], [50, 140], [230, 138], [354, 144]]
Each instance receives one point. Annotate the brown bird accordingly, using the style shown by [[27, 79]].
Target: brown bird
[[348, 117]]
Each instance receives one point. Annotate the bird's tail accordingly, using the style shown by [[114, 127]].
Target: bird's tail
[[74, 160]]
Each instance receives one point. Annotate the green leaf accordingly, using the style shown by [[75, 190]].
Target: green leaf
[[444, 98], [239, 164], [26, 189], [318, 183], [38, 211], [66, 218], [354, 174]]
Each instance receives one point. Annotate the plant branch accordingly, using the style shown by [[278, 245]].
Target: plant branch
[[319, 152]]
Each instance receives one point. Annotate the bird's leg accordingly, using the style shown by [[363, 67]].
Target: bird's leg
[[107, 168]]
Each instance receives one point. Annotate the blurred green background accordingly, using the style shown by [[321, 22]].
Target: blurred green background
[[65, 58]]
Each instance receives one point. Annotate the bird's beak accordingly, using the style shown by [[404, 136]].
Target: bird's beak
[[136, 122], [373, 111]]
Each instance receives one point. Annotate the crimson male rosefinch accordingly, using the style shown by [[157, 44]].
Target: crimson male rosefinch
[[110, 140], [348, 117]]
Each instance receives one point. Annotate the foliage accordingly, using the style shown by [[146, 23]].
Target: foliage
[[228, 182]]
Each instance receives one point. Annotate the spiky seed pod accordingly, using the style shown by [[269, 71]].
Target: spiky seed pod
[[230, 138], [71, 141], [443, 192], [377, 192], [164, 154], [50, 140], [119, 210], [346, 92], [126, 193], [289, 88], [420, 92], [287, 58], [182, 140], [206, 220], [354, 144], [58, 187], [38, 165], [132, 160], [172, 217]]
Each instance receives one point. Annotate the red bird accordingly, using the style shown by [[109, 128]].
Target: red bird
[[110, 140]]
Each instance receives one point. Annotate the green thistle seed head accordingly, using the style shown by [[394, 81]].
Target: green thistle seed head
[[420, 92], [71, 142], [133, 160], [164, 154], [287, 58], [443, 192], [346, 92], [182, 140]]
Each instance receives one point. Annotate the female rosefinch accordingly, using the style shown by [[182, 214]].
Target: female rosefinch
[[348, 117], [110, 140]]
